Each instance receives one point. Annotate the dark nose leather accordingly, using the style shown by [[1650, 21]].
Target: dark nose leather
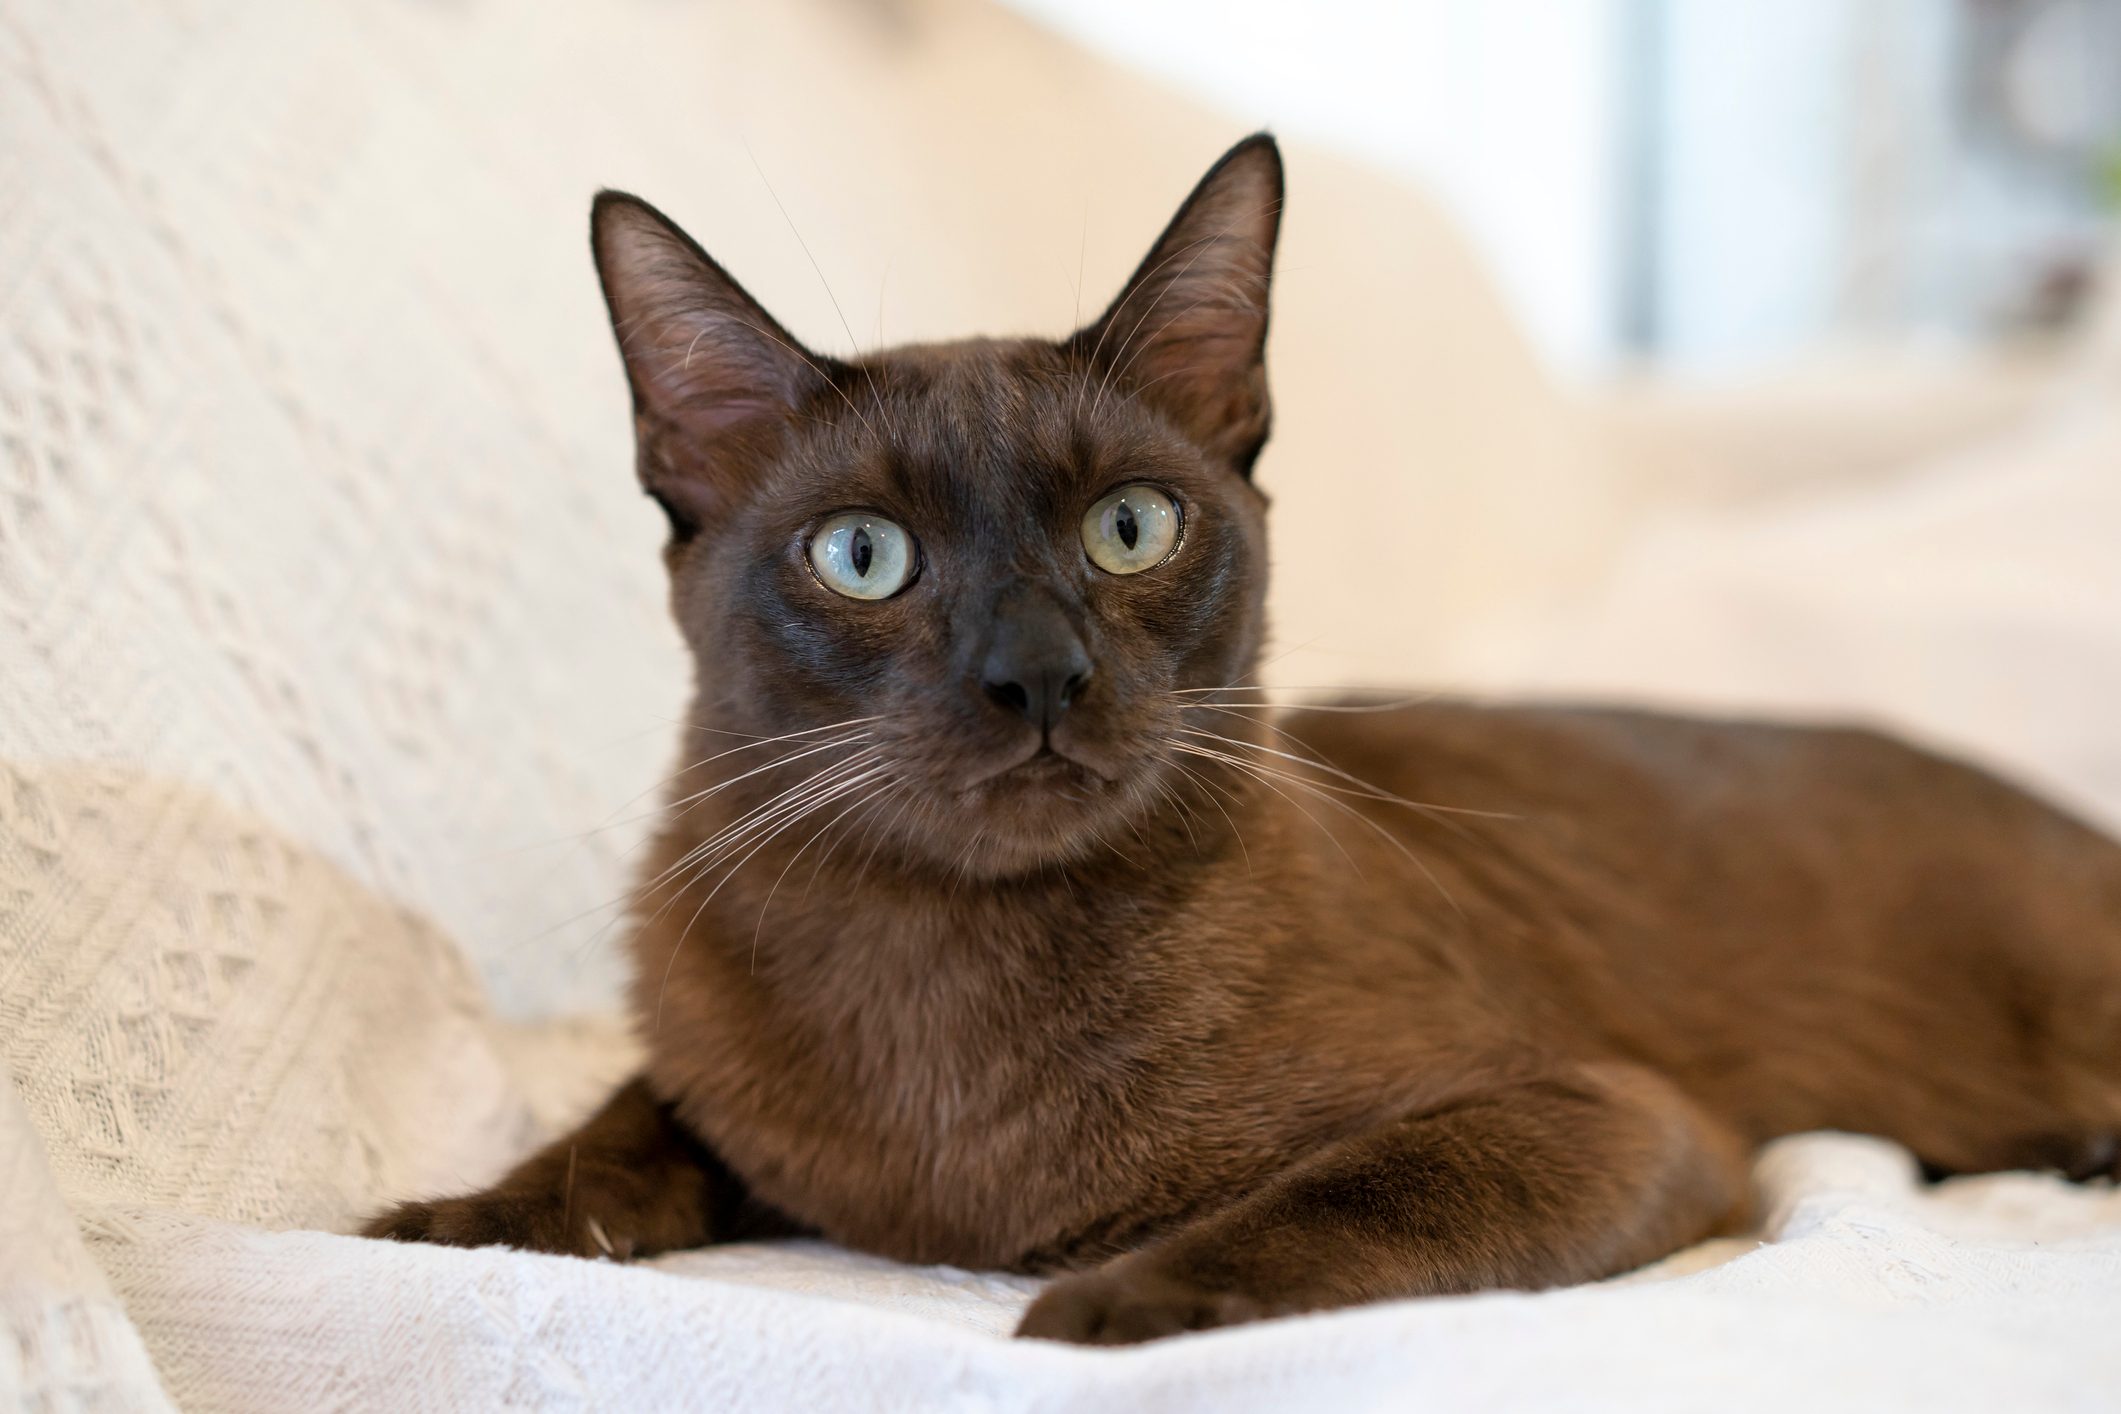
[[1036, 663]]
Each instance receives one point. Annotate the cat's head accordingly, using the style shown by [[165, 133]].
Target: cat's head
[[993, 572]]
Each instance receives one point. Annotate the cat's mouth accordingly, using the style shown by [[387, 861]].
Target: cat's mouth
[[1034, 804], [1043, 764]]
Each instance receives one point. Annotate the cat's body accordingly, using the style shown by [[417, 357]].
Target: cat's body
[[1802, 929], [993, 926]]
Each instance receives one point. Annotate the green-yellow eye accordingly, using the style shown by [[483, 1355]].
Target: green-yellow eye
[[862, 555], [1131, 530]]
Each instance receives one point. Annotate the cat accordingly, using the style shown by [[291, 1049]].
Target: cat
[[992, 922]]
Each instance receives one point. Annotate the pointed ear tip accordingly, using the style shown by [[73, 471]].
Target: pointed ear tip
[[608, 197], [1254, 162], [1260, 150], [614, 214]]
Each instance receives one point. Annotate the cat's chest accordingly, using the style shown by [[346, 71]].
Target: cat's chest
[[967, 1114]]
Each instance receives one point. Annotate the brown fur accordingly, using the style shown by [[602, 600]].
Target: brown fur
[[1230, 1037]]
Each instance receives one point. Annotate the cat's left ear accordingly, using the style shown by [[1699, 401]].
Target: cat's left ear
[[1188, 334], [715, 379]]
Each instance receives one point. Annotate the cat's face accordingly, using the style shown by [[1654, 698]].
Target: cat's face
[[982, 584]]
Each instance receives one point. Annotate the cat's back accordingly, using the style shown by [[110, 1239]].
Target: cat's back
[[1771, 908], [1630, 778], [1817, 828]]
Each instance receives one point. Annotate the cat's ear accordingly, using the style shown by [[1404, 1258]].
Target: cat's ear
[[1188, 334], [714, 377]]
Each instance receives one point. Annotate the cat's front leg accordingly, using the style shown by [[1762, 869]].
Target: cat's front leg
[[631, 1181], [1582, 1174]]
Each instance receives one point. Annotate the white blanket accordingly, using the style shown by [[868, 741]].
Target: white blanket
[[328, 626]]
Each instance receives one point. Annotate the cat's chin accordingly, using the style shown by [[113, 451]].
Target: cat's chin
[[1044, 809]]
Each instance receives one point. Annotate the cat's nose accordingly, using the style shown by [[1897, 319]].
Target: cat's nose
[[1036, 664]]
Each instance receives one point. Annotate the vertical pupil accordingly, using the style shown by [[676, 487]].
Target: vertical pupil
[[1124, 523], [859, 551]]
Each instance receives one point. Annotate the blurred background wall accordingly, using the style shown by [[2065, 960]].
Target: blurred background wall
[[1705, 185]]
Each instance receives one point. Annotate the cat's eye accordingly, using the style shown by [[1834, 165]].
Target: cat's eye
[[1131, 530], [863, 556]]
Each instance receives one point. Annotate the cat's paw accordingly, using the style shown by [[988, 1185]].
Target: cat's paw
[[531, 1221], [1122, 1306]]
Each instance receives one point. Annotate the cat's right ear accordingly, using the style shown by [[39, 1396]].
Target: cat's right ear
[[714, 377]]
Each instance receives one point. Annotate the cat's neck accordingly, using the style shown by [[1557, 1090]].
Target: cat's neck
[[823, 898]]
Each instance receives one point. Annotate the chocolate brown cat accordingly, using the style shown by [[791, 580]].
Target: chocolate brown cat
[[992, 922]]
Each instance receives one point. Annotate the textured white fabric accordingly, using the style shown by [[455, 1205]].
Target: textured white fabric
[[325, 611]]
